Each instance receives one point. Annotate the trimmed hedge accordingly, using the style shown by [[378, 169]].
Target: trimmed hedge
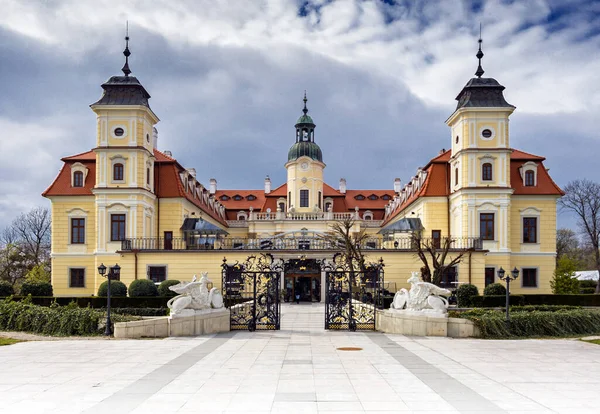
[[464, 294], [587, 290], [142, 288], [494, 301], [139, 311], [520, 300], [494, 289], [36, 289], [6, 289], [587, 284], [117, 289], [163, 288], [492, 324], [99, 302], [53, 320]]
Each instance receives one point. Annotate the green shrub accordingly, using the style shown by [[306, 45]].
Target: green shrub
[[36, 289], [140, 311], [573, 300], [492, 324], [464, 294], [564, 281], [97, 302], [117, 289], [142, 288], [543, 308], [496, 301], [494, 289], [587, 290], [588, 284], [52, 320], [6, 289], [163, 288]]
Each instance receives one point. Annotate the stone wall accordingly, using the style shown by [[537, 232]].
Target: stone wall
[[405, 323]]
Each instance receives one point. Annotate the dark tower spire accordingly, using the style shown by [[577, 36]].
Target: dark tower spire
[[479, 55], [126, 52], [305, 110]]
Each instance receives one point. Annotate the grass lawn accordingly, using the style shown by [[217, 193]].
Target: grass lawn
[[594, 341], [8, 341]]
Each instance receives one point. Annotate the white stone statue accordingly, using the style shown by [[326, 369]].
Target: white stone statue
[[423, 297], [194, 296]]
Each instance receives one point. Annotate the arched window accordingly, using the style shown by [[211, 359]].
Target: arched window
[[77, 179], [327, 206], [118, 172], [529, 178], [486, 172], [281, 206]]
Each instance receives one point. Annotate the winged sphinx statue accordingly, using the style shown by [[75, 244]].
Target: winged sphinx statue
[[194, 296], [423, 297]]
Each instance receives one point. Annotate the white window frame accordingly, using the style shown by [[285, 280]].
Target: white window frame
[[368, 215], [530, 166], [118, 159], [148, 266], [81, 168]]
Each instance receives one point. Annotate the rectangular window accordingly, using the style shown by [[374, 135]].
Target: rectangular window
[[76, 278], [303, 198], [486, 226], [118, 172], [319, 200], [77, 231], [449, 277], [489, 275], [436, 238], [530, 230], [148, 176], [529, 277], [157, 274], [117, 227]]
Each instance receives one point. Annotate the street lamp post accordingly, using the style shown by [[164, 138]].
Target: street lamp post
[[113, 273], [502, 275]]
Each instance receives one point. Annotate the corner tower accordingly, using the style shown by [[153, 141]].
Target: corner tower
[[480, 161], [124, 189], [305, 168]]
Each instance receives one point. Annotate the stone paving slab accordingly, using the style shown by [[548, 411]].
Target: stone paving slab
[[300, 369]]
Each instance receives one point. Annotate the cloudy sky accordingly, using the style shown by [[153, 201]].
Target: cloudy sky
[[227, 78]]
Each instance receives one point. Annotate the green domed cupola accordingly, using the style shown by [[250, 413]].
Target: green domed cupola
[[305, 138]]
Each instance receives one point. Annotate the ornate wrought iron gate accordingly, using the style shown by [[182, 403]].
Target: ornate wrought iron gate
[[251, 292], [352, 297]]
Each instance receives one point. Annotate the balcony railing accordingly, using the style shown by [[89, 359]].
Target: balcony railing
[[308, 243]]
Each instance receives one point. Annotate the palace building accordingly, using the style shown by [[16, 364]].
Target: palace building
[[126, 202]]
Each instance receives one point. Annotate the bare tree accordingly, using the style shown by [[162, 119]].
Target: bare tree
[[583, 198], [438, 250], [32, 230], [351, 243], [567, 243]]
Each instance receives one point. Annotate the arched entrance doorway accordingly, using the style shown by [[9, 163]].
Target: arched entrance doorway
[[302, 280]]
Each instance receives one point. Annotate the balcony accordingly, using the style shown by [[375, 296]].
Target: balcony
[[285, 243], [316, 216]]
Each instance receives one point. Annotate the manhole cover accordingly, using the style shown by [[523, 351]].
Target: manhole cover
[[349, 348]]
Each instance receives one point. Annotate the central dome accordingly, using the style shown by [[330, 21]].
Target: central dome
[[305, 149]]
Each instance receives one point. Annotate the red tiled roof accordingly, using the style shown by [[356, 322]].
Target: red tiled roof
[[62, 183], [520, 155], [244, 203], [545, 184], [84, 156], [368, 204]]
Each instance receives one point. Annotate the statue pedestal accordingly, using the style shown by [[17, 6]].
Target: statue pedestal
[[202, 322], [417, 323]]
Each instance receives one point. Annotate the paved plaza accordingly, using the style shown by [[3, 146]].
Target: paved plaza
[[300, 369]]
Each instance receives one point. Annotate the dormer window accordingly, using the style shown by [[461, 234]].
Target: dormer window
[[78, 179], [373, 197], [368, 215], [359, 197], [529, 174], [386, 197], [251, 198], [237, 197], [529, 178], [118, 172], [224, 198], [486, 172]]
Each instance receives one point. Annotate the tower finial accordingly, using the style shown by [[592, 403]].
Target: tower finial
[[126, 52], [479, 55], [305, 110]]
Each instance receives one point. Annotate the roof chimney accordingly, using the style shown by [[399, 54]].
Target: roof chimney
[[343, 185], [192, 172], [267, 185], [154, 137], [213, 186], [168, 153], [397, 186]]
